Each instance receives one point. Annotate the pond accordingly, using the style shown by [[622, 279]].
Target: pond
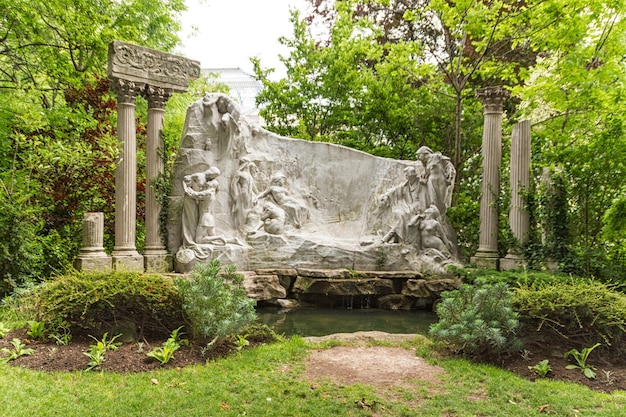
[[321, 322]]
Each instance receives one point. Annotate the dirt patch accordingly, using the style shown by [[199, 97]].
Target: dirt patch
[[380, 366]]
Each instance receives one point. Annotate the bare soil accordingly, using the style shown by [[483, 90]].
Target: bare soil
[[358, 361]]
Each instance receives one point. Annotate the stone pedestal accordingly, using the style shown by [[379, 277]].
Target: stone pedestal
[[92, 255], [520, 182], [493, 99]]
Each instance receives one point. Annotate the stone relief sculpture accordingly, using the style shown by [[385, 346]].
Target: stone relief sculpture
[[294, 203], [419, 204], [295, 210], [243, 192]]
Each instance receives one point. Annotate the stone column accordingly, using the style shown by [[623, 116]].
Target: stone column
[[493, 100], [155, 256], [519, 218], [125, 255], [92, 255]]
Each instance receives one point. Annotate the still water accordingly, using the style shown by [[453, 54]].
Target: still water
[[320, 322]]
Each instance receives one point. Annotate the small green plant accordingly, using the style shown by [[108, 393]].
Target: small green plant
[[215, 304], [61, 336], [477, 320], [17, 351], [581, 361], [3, 330], [165, 353], [542, 368], [36, 329], [96, 352], [242, 342], [609, 379]]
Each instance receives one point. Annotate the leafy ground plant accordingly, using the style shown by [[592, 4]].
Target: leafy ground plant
[[581, 361], [96, 352], [165, 353], [542, 368], [36, 329], [17, 351], [3, 330]]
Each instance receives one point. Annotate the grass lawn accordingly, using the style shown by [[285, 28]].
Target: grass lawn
[[268, 381]]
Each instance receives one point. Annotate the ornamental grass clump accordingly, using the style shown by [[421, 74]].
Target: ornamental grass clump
[[215, 304], [477, 320]]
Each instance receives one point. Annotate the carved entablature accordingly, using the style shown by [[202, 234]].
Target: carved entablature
[[493, 98], [144, 65]]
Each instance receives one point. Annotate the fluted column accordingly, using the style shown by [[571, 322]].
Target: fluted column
[[155, 254], [493, 100], [92, 255], [125, 253], [520, 182]]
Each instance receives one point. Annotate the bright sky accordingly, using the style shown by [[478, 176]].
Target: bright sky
[[229, 32]]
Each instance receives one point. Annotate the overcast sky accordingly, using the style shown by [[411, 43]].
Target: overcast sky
[[229, 32]]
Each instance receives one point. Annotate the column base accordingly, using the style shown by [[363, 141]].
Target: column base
[[512, 262], [130, 262], [486, 260], [158, 262], [93, 263]]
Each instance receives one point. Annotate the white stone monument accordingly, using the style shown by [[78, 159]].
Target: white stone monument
[[250, 197]]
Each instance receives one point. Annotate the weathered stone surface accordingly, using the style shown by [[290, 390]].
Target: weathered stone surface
[[278, 271], [324, 273], [391, 274], [288, 303], [421, 288], [396, 302], [342, 287], [263, 287], [141, 64]]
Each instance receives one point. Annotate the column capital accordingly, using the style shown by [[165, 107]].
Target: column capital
[[493, 98], [157, 96], [126, 90]]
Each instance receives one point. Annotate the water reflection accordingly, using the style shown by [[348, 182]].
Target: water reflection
[[320, 322]]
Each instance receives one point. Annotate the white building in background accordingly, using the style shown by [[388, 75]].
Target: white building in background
[[243, 88]]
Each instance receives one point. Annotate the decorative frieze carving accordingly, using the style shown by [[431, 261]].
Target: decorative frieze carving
[[141, 64]]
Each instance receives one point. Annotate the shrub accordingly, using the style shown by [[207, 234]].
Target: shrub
[[96, 299], [583, 312], [215, 304], [477, 320]]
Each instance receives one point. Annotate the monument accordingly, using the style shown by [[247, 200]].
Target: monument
[[258, 200]]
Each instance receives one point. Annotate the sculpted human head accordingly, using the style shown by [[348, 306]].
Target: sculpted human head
[[423, 154]]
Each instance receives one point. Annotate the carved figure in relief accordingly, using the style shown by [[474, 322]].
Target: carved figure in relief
[[243, 192], [438, 174], [222, 115], [198, 220], [405, 201], [278, 193], [273, 218], [431, 234]]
